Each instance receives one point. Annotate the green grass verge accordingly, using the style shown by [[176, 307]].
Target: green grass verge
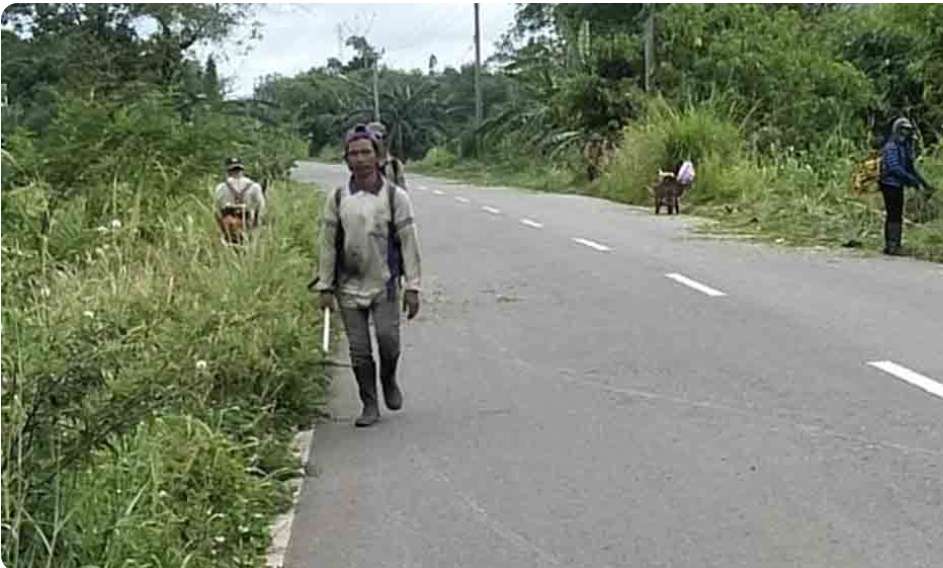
[[528, 176], [152, 382]]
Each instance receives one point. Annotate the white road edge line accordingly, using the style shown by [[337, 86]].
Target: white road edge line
[[591, 244], [463, 200], [491, 210], [912, 377], [280, 529], [531, 223], [694, 284], [438, 192]]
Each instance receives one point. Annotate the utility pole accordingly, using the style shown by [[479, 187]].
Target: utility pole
[[376, 90], [477, 69], [649, 47]]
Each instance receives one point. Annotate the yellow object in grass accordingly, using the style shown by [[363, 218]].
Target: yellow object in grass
[[865, 175]]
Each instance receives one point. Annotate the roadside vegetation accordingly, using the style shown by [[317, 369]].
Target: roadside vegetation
[[152, 379], [779, 106]]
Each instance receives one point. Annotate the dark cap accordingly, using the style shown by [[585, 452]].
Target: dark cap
[[234, 164], [360, 132]]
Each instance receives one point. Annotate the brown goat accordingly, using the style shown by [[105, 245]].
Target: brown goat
[[232, 223], [668, 192]]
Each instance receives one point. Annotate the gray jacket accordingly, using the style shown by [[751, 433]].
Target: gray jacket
[[365, 218]]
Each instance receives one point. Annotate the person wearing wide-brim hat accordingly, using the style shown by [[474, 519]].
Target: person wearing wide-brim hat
[[390, 167], [240, 203]]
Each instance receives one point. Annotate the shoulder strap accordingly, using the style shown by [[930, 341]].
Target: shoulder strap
[[394, 253], [240, 196], [339, 234], [391, 194]]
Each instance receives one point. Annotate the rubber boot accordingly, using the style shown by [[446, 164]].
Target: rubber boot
[[892, 237], [391, 393], [367, 382]]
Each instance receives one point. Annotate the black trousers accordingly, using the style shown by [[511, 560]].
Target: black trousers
[[893, 203]]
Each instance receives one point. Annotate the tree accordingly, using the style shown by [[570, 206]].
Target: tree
[[366, 56], [900, 49], [96, 50], [103, 42], [180, 27], [211, 86], [334, 65], [762, 62]]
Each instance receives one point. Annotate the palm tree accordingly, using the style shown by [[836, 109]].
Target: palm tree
[[412, 112]]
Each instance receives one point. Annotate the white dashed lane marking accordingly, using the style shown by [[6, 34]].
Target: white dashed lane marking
[[462, 200], [591, 244], [491, 210], [694, 284], [438, 192], [912, 377], [531, 223]]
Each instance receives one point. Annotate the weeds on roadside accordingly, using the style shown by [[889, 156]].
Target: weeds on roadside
[[151, 381]]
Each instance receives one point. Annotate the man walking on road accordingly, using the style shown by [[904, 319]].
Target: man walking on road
[[391, 167], [898, 171], [369, 243]]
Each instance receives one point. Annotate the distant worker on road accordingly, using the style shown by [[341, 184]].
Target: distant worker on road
[[391, 168], [897, 171]]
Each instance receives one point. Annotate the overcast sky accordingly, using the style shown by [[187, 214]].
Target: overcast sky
[[297, 37]]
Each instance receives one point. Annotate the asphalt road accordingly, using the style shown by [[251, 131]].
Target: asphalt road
[[567, 403]]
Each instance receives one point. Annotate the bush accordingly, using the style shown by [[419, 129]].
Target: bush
[[505, 168], [139, 355], [803, 198], [665, 138], [761, 58], [117, 153], [438, 157], [144, 330]]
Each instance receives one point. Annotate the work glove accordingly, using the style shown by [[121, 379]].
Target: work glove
[[411, 303], [326, 301]]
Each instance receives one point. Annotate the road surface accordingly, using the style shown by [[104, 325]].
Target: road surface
[[590, 385]]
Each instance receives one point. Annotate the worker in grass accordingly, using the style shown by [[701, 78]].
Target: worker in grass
[[897, 171], [240, 203]]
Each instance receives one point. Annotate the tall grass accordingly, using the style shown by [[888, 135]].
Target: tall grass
[[787, 197], [532, 172], [152, 379]]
